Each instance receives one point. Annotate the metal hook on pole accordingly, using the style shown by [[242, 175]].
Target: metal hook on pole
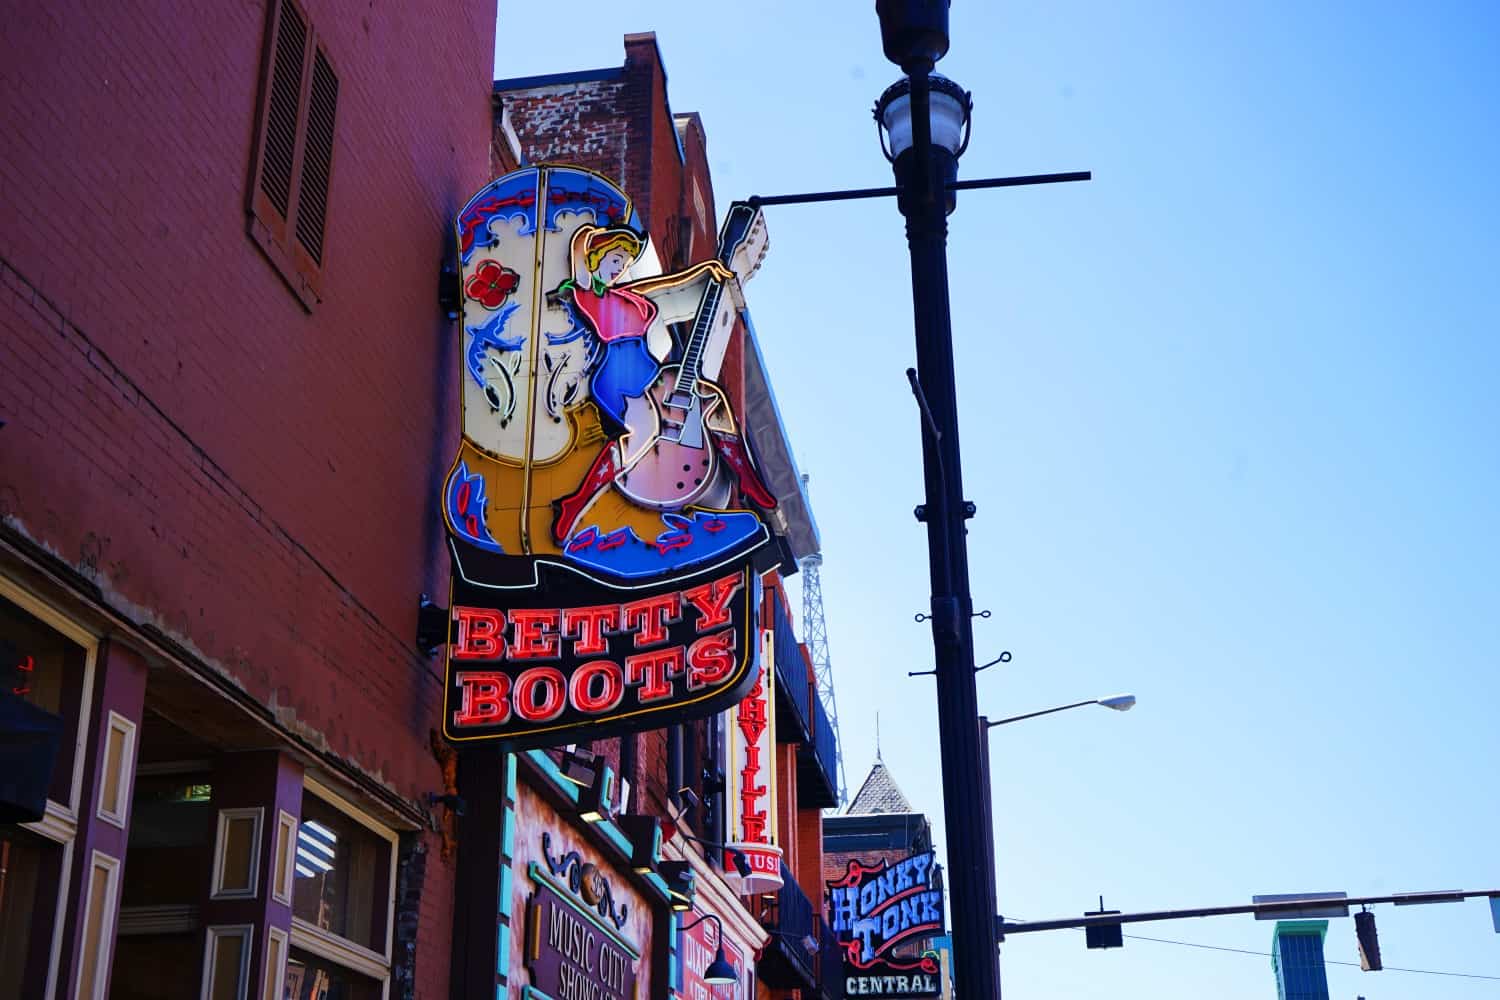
[[1002, 658]]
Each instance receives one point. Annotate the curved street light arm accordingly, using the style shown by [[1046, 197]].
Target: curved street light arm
[[1045, 711]]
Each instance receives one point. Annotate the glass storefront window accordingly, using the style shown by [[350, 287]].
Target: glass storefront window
[[44, 667], [342, 875], [171, 840], [29, 871]]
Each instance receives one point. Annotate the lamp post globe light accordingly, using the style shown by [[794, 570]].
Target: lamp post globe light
[[948, 116], [924, 125]]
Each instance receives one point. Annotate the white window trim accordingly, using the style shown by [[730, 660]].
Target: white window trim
[[283, 866], [246, 931], [125, 781], [90, 643], [275, 985], [370, 823], [340, 950], [60, 821], [55, 957], [105, 953], [258, 814]]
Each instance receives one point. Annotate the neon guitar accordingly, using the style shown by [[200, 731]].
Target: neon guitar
[[671, 457]]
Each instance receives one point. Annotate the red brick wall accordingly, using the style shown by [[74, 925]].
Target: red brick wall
[[810, 857], [580, 123], [258, 480]]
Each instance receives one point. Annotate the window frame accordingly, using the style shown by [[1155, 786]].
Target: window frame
[[256, 815], [335, 948], [273, 232], [60, 823], [244, 975], [107, 906]]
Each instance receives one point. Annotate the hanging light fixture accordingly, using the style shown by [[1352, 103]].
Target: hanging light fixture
[[719, 971], [645, 836]]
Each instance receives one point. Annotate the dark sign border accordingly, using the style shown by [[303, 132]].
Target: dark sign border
[[544, 585]]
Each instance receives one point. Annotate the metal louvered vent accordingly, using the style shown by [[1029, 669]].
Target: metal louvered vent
[[281, 120], [317, 158]]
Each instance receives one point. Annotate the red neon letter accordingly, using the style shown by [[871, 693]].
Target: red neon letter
[[590, 624], [754, 825], [653, 672], [752, 715], [710, 659], [712, 601], [535, 633], [485, 698], [540, 694], [478, 634], [610, 693], [650, 616]]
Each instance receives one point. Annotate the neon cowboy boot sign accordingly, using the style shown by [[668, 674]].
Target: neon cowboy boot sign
[[604, 513]]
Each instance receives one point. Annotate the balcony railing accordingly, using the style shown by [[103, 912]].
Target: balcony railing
[[794, 694], [826, 751], [788, 962], [800, 717], [830, 964]]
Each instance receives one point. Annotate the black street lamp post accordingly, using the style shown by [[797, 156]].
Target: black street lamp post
[[924, 126], [915, 36]]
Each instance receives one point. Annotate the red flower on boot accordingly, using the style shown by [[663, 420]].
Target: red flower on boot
[[491, 284]]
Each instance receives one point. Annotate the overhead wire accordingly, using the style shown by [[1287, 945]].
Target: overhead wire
[[1326, 961]]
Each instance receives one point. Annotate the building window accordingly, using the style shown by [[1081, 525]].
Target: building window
[[47, 661], [44, 663], [101, 887], [169, 859], [293, 165], [226, 962], [342, 899], [30, 870], [237, 853]]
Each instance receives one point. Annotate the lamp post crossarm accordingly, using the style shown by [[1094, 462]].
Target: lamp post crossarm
[[1271, 909], [853, 194]]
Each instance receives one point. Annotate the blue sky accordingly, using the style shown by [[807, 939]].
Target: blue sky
[[1229, 416]]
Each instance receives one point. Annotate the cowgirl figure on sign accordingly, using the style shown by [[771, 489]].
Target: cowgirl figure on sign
[[670, 447]]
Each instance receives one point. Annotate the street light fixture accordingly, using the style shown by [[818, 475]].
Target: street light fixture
[[949, 111], [1118, 702], [719, 971]]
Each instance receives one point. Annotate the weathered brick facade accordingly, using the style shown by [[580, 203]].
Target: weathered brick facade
[[241, 487]]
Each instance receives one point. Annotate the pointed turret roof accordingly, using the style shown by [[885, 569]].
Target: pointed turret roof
[[879, 794]]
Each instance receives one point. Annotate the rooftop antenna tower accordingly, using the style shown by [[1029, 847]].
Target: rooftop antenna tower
[[816, 627]]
